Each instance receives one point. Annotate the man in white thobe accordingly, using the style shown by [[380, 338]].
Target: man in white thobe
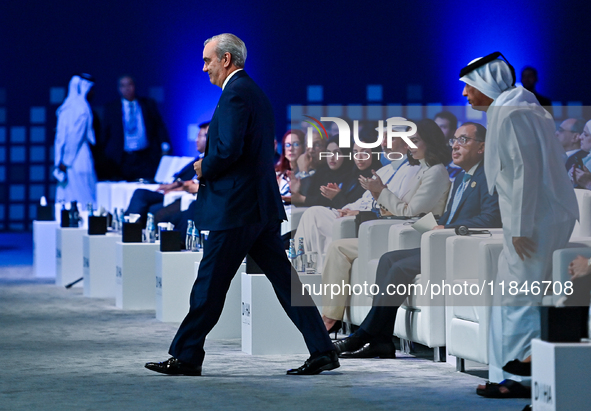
[[524, 162], [74, 165]]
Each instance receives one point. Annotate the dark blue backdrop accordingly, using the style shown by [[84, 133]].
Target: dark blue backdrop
[[343, 46]]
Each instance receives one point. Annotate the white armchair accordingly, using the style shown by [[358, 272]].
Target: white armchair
[[343, 227], [473, 260], [373, 243], [560, 261], [403, 237], [421, 319], [296, 215], [583, 226]]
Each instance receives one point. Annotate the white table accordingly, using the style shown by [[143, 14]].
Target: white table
[[135, 275], [175, 275], [99, 262], [266, 328], [68, 252], [560, 376], [44, 250], [230, 323]]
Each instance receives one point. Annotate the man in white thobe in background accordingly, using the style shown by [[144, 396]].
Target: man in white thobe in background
[[524, 162], [74, 166]]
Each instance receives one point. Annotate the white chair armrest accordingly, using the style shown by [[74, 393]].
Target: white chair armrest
[[583, 226], [343, 227], [560, 261], [403, 237], [373, 239]]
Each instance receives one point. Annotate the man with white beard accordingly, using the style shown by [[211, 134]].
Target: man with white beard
[[524, 162]]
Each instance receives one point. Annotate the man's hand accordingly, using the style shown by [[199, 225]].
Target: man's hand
[[579, 267], [190, 187], [166, 188], [330, 190], [197, 168], [438, 227], [524, 247], [346, 212], [374, 185]]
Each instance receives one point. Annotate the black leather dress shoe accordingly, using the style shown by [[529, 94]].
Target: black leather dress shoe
[[372, 350], [172, 366], [312, 366], [347, 345]]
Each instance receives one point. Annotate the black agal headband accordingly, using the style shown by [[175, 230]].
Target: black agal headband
[[487, 59]]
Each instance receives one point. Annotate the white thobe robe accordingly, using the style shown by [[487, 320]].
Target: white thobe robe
[[523, 161], [73, 137]]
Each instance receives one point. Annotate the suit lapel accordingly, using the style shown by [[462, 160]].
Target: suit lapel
[[235, 77]]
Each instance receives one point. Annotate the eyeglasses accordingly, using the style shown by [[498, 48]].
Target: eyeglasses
[[462, 140], [561, 130], [289, 145]]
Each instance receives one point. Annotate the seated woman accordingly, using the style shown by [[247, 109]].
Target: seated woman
[[335, 169], [351, 190], [424, 192], [293, 147]]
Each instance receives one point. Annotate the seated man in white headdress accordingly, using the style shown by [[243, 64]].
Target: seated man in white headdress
[[524, 163]]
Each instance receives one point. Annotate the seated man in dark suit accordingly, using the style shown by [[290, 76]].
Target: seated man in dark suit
[[147, 201], [470, 205], [568, 134], [134, 137]]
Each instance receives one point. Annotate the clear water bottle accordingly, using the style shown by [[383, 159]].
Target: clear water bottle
[[189, 235], [300, 263], [90, 209], [292, 252], [121, 219], [74, 214], [150, 231], [115, 220], [197, 241]]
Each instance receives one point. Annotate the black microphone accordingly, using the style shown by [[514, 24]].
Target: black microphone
[[74, 283], [463, 230]]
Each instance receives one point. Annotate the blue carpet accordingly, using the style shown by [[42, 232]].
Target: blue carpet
[[16, 249]]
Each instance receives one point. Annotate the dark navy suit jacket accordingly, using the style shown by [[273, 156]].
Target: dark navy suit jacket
[[238, 184], [112, 139], [477, 208]]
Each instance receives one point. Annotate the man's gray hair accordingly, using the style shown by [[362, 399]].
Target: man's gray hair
[[229, 43]]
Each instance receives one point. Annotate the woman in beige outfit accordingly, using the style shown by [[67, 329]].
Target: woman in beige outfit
[[422, 192]]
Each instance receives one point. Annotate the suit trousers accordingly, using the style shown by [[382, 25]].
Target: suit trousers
[[395, 268], [143, 202], [223, 253]]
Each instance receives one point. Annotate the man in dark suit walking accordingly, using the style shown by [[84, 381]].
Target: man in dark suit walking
[[134, 137], [239, 203], [469, 205]]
